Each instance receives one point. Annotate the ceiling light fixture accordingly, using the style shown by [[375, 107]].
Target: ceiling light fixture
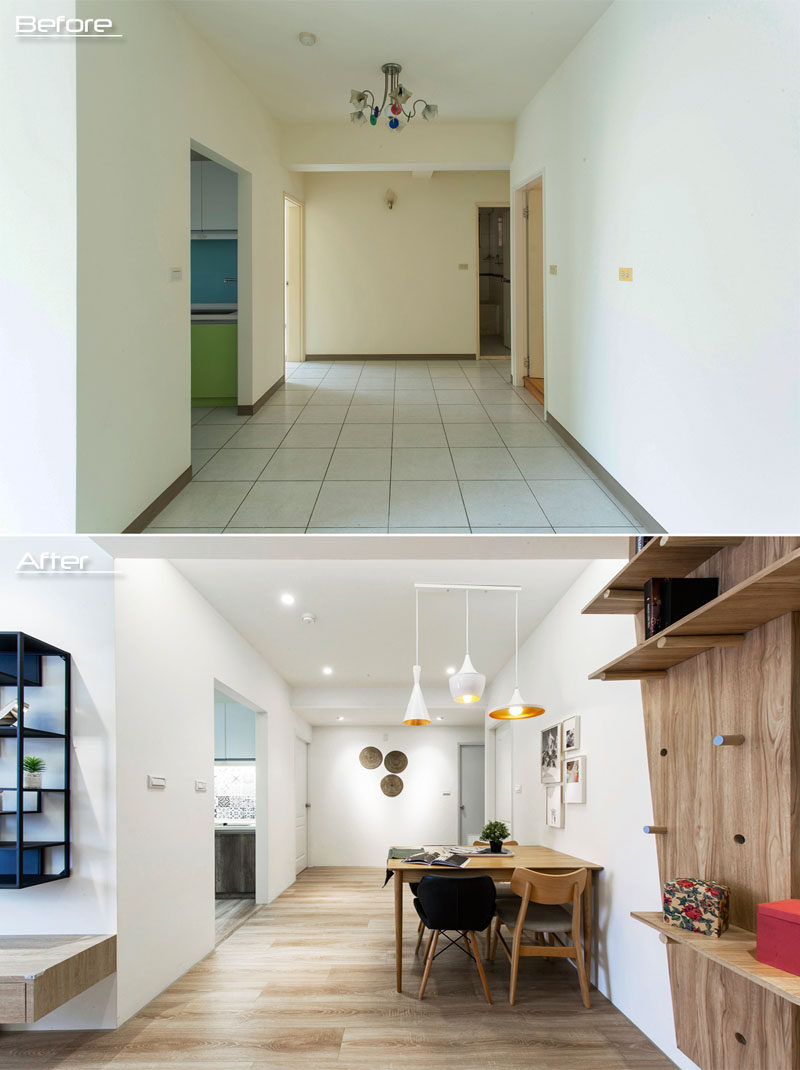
[[416, 710], [308, 618], [340, 718], [450, 670], [287, 599], [367, 111], [326, 670], [466, 685], [307, 39], [517, 709]]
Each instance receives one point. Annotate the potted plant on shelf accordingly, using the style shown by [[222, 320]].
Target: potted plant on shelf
[[495, 832], [32, 776]]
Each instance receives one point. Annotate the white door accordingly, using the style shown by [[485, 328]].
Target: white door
[[301, 807], [470, 791], [504, 777], [294, 280]]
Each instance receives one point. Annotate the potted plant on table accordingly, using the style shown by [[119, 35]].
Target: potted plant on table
[[495, 832], [32, 775]]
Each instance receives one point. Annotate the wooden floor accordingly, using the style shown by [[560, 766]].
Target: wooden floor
[[229, 914], [309, 982]]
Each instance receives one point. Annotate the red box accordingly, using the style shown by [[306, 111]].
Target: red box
[[778, 935]]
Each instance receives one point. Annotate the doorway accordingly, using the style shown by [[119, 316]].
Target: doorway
[[493, 282], [301, 804], [294, 341], [471, 797], [529, 318]]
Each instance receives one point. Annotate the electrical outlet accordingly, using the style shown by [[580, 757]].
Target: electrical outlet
[[156, 781], [463, 267], [626, 274], [201, 785], [176, 275], [554, 269]]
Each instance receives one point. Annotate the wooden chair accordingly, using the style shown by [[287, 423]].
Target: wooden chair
[[502, 890], [549, 903]]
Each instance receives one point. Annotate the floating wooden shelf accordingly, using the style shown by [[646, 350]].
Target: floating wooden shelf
[[768, 594], [40, 973], [735, 950], [669, 555]]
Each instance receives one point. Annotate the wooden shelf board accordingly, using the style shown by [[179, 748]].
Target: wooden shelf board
[[667, 555], [735, 950], [768, 594]]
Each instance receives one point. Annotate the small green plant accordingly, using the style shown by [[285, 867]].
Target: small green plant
[[494, 832], [32, 764]]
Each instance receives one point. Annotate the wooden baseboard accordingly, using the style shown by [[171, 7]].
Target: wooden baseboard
[[250, 410], [389, 356], [643, 518], [535, 387], [149, 514]]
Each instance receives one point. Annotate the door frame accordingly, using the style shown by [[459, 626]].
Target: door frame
[[291, 199], [300, 739], [461, 746], [519, 280], [478, 206]]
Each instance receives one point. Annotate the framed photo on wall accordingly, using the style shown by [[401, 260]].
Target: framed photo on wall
[[551, 755], [574, 779], [554, 807], [571, 734]]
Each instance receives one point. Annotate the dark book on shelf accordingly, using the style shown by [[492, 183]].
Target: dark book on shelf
[[668, 600]]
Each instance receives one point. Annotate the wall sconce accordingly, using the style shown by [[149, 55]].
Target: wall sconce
[[390, 199]]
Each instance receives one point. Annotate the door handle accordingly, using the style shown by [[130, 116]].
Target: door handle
[[308, 806], [461, 806]]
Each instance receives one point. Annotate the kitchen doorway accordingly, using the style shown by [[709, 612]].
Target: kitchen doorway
[[294, 310], [493, 282], [471, 797]]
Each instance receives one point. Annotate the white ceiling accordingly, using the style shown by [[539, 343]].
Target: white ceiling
[[479, 60]]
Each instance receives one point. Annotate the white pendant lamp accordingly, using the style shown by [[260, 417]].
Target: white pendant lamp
[[466, 685], [517, 709], [416, 710]]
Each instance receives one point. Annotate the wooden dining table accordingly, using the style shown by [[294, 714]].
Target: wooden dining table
[[499, 868]]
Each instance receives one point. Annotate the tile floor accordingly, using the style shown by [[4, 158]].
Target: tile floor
[[374, 446]]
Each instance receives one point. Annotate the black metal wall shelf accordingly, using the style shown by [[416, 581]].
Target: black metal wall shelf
[[30, 862]]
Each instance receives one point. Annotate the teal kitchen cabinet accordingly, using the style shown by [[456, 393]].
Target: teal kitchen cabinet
[[234, 733]]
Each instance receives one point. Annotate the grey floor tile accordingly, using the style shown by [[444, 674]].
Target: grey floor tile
[[333, 398], [466, 396], [369, 414], [231, 530], [153, 530], [311, 435], [621, 530], [199, 411], [532, 433], [294, 464], [211, 435], [225, 414], [472, 435], [347, 531], [507, 503], [513, 412], [366, 435], [419, 504], [258, 436], [416, 414], [484, 462], [429, 531], [422, 463], [414, 397], [464, 414], [322, 414], [231, 463], [200, 457], [575, 503], [418, 435], [490, 395], [277, 504], [356, 504], [547, 462], [512, 531], [284, 415], [360, 463], [203, 505], [373, 397]]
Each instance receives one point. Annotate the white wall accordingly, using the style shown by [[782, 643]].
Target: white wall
[[37, 276], [172, 650], [140, 101], [630, 964], [380, 281], [351, 821], [75, 613], [668, 142]]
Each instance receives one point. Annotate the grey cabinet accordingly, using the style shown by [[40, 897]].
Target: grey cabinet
[[235, 862], [214, 195], [234, 732]]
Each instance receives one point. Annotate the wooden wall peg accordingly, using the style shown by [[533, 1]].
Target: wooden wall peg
[[654, 830], [728, 741]]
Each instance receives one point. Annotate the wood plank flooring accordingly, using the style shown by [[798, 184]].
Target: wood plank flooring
[[309, 982], [229, 914]]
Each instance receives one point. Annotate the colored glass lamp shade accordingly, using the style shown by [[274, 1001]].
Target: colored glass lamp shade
[[416, 710], [466, 685], [517, 709], [396, 101]]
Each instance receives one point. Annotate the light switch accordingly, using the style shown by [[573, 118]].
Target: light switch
[[156, 781], [447, 793], [176, 275], [554, 269], [463, 267], [201, 785], [626, 274], [518, 789]]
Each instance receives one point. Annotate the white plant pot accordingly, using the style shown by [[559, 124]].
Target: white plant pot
[[31, 780]]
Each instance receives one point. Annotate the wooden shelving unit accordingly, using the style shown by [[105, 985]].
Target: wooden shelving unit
[[668, 555], [735, 950], [768, 594]]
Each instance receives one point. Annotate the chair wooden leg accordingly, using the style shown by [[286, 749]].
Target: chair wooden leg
[[479, 964], [429, 962], [583, 979], [495, 938], [489, 938], [428, 945], [420, 931], [512, 991]]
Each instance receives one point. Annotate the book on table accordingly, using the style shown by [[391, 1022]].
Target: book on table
[[456, 857]]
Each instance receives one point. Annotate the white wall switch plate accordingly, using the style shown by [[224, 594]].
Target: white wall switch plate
[[201, 785], [156, 781], [447, 793], [176, 275], [518, 789]]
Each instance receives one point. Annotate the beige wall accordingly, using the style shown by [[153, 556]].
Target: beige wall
[[140, 103], [380, 281]]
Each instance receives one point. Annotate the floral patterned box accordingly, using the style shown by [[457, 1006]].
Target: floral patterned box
[[700, 906]]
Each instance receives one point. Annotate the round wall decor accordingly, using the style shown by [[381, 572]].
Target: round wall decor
[[370, 757], [391, 785], [395, 761]]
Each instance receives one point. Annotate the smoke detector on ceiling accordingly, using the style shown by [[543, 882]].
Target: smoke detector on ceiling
[[306, 38], [308, 618]]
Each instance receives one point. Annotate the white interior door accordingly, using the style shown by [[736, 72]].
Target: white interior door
[[470, 791], [294, 280], [301, 807], [504, 776]]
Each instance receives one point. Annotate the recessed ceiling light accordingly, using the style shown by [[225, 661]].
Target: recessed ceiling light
[[340, 718], [307, 39], [440, 718], [450, 670], [308, 618], [287, 599], [327, 670]]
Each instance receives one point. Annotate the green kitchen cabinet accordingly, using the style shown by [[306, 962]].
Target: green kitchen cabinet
[[214, 364]]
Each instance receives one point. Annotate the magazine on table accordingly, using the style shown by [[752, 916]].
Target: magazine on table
[[451, 856]]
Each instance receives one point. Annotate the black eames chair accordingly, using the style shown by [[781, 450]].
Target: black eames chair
[[455, 904]]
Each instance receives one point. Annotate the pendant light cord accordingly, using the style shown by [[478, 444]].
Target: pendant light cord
[[466, 639], [417, 621], [516, 640]]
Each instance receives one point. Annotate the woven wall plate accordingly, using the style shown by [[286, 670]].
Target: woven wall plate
[[395, 761], [391, 785], [370, 757]]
